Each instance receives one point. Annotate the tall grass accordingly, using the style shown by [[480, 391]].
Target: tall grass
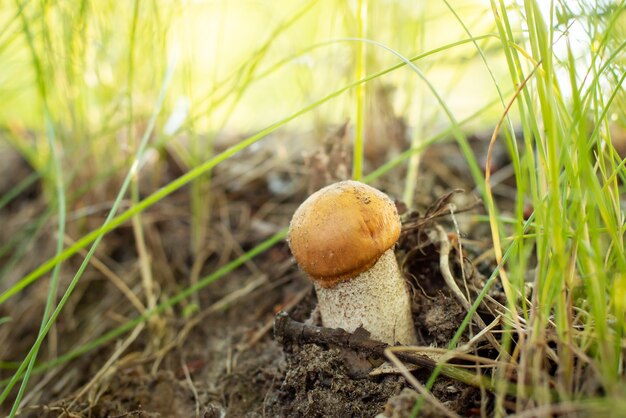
[[578, 216], [564, 90], [572, 243]]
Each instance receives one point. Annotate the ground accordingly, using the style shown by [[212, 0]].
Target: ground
[[214, 354]]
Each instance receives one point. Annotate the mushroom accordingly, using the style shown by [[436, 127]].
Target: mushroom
[[342, 237]]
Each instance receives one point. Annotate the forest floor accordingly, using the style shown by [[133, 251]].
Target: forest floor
[[215, 354]]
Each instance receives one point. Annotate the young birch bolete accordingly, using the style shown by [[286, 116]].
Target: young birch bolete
[[342, 237]]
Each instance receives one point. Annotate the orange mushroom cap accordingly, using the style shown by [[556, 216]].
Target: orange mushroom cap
[[342, 230]]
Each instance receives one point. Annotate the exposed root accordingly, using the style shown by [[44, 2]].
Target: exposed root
[[444, 264]]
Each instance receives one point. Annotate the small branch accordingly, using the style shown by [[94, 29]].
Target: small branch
[[287, 331]]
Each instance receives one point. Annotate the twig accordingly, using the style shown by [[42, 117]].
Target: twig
[[288, 331]]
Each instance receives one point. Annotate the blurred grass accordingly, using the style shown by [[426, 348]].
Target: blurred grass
[[82, 80]]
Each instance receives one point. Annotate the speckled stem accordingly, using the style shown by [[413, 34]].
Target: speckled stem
[[378, 299]]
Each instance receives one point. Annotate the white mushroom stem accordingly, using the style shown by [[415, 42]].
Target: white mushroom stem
[[377, 299]]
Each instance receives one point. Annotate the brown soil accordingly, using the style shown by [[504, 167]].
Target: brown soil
[[214, 355], [317, 383]]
